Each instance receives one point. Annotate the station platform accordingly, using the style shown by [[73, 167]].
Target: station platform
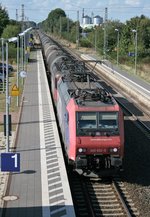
[[41, 188], [130, 84]]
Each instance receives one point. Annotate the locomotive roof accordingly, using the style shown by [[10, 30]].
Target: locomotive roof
[[78, 83], [86, 93]]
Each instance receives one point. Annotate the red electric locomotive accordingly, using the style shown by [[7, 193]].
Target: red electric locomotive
[[90, 119]]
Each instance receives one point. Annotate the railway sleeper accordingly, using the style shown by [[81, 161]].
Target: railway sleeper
[[110, 210], [106, 197], [108, 205], [110, 214]]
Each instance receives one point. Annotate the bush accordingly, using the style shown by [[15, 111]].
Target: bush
[[146, 60], [12, 52], [85, 43]]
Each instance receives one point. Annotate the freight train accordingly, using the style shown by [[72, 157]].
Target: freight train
[[90, 119]]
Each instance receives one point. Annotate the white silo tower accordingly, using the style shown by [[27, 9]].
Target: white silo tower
[[86, 20], [97, 20]]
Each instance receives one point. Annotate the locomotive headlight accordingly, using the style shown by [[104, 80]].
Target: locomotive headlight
[[81, 150], [113, 150]]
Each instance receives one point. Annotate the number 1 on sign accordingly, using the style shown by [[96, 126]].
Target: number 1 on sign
[[15, 158]]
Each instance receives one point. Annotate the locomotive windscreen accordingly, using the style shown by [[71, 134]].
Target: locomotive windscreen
[[97, 122]]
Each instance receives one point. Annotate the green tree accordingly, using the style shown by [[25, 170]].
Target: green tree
[[4, 19], [73, 33], [142, 26], [66, 28], [11, 31], [53, 19], [144, 36]]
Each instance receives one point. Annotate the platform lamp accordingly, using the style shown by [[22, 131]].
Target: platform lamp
[[117, 30], [2, 40], [21, 35], [13, 39], [25, 44], [23, 47], [135, 55], [18, 67], [20, 59]]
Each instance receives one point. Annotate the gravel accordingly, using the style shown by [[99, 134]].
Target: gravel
[[137, 167]]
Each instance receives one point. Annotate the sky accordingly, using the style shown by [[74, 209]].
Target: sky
[[37, 10]]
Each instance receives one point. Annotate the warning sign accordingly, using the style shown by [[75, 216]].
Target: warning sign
[[15, 90]]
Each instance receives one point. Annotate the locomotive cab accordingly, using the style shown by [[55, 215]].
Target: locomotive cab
[[96, 132], [99, 140]]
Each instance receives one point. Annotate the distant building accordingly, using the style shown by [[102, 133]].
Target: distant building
[[97, 20], [88, 22]]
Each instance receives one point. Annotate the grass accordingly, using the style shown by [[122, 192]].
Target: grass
[[13, 102], [1, 127]]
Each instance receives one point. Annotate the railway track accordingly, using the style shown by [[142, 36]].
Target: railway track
[[105, 197], [113, 199], [138, 115], [141, 122], [95, 197]]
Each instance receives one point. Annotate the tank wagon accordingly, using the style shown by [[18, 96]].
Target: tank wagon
[[90, 119]]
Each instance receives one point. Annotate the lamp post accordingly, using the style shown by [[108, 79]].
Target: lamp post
[[13, 39], [18, 67], [21, 36], [117, 30], [25, 47], [2, 39], [95, 39], [68, 27], [104, 45], [23, 57], [7, 101], [22, 51], [77, 30], [60, 20], [135, 55]]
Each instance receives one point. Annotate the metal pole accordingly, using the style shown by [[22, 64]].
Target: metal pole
[[104, 48], [25, 59], [135, 51], [68, 27], [118, 49], [105, 34], [7, 101], [135, 39], [22, 52], [117, 30], [77, 31], [60, 26], [3, 64], [95, 39], [18, 68]]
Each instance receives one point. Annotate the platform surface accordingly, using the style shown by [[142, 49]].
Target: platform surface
[[41, 188]]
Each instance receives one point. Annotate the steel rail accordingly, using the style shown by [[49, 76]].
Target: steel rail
[[122, 200]]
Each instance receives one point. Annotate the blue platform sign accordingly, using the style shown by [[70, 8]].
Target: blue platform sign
[[131, 54], [10, 162]]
